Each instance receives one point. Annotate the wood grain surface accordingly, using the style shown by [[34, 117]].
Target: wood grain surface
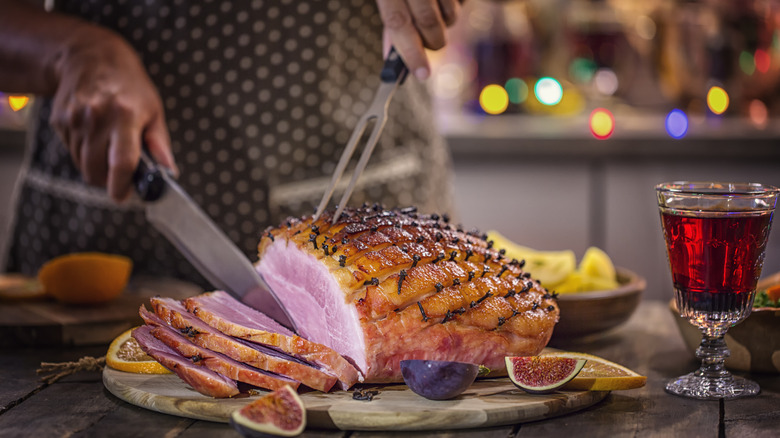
[[490, 402], [45, 322]]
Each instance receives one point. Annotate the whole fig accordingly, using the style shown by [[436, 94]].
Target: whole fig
[[438, 380]]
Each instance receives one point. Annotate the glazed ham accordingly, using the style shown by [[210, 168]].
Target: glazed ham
[[233, 318], [381, 286], [217, 362], [201, 379], [258, 356]]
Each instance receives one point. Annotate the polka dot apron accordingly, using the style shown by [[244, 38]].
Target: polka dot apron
[[260, 99]]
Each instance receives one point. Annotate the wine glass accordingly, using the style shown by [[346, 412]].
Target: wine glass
[[715, 235]]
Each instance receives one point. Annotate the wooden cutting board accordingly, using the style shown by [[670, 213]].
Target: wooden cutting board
[[489, 402], [45, 322]]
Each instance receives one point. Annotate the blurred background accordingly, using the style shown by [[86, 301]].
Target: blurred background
[[562, 116]]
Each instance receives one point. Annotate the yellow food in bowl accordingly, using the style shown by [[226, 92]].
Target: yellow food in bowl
[[85, 278], [558, 270]]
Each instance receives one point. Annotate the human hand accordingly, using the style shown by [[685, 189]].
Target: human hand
[[104, 106], [415, 25]]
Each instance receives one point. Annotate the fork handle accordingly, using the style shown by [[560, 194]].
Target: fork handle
[[394, 69]]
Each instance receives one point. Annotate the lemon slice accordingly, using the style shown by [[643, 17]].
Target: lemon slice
[[599, 374], [124, 354], [596, 263], [551, 268]]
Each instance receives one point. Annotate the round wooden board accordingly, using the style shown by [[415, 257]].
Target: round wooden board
[[489, 402]]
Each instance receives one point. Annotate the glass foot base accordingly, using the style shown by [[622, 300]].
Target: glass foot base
[[705, 388]]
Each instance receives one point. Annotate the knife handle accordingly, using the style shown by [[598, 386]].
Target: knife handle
[[394, 68], [148, 179]]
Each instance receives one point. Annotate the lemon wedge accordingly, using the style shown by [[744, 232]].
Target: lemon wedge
[[551, 268]]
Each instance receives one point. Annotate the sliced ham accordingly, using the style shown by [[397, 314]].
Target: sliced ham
[[381, 286], [203, 380], [256, 355], [230, 316], [214, 361]]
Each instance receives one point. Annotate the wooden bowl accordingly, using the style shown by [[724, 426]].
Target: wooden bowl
[[754, 343], [589, 313]]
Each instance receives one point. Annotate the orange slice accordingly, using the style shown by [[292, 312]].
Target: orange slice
[[599, 374], [85, 278], [124, 354]]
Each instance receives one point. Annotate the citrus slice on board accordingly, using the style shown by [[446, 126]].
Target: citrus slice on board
[[599, 374], [549, 267], [85, 278], [124, 354]]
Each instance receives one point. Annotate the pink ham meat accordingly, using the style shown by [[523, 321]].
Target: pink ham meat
[[230, 316], [258, 356], [201, 379], [380, 286], [216, 362]]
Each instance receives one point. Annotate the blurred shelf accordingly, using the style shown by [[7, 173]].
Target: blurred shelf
[[476, 137], [12, 140]]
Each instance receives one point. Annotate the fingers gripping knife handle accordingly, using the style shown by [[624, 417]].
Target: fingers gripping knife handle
[[148, 179]]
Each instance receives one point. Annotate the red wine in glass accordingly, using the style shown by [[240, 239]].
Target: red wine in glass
[[716, 234], [715, 260]]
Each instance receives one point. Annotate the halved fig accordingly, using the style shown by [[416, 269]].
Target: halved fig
[[437, 379], [540, 375], [280, 413]]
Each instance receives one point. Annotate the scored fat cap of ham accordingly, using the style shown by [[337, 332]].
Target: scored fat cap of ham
[[381, 286]]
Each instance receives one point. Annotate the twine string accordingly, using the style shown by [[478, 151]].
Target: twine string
[[63, 369]]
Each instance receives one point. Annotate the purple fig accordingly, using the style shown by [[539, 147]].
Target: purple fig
[[438, 380]]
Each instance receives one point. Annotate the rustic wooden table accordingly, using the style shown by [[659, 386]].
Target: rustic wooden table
[[649, 343]]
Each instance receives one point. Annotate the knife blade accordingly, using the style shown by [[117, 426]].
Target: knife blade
[[177, 217]]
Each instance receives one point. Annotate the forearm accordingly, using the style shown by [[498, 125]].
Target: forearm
[[33, 43]]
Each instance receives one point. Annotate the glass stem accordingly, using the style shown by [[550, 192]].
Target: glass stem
[[713, 353]]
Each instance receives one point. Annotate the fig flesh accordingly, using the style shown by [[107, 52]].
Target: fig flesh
[[279, 413], [540, 375], [436, 379]]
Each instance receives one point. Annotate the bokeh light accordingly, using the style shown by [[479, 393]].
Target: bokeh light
[[602, 123], [645, 27], [517, 90], [676, 123], [717, 100], [548, 91], [449, 81], [746, 63], [493, 99], [762, 60], [606, 81], [582, 69], [758, 113], [17, 102]]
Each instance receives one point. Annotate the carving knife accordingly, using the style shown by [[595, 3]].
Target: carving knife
[[174, 214]]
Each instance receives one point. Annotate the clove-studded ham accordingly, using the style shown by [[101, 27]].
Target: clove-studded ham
[[201, 379], [233, 318], [381, 286], [256, 355], [214, 361]]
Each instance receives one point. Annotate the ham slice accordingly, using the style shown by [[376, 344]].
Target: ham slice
[[203, 380], [230, 316], [216, 362], [381, 286], [258, 356]]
